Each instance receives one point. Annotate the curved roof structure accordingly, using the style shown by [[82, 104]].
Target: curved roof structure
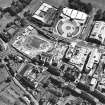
[[67, 28], [74, 14]]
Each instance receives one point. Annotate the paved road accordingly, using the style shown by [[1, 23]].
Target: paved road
[[87, 27]]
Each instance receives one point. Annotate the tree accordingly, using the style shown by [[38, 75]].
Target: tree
[[79, 5], [82, 7], [88, 8], [73, 1], [70, 1], [8, 79], [56, 15], [1, 9], [1, 47], [18, 102], [27, 13], [5, 36], [77, 1], [13, 2], [103, 16], [25, 1], [98, 15], [74, 5], [9, 24], [23, 22]]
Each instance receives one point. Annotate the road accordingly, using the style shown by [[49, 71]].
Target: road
[[87, 27]]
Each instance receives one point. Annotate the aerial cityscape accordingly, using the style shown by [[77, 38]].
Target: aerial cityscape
[[52, 52]]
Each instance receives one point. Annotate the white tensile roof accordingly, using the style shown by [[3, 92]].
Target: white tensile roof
[[75, 14]]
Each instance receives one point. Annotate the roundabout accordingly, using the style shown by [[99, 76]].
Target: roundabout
[[68, 28]]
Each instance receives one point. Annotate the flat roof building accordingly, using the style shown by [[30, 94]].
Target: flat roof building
[[94, 59], [79, 56], [43, 12], [74, 14], [98, 32]]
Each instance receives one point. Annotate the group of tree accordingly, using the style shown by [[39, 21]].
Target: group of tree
[[1, 48], [5, 37], [8, 33], [17, 6], [1, 12], [56, 15], [11, 28], [81, 6], [100, 15]]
